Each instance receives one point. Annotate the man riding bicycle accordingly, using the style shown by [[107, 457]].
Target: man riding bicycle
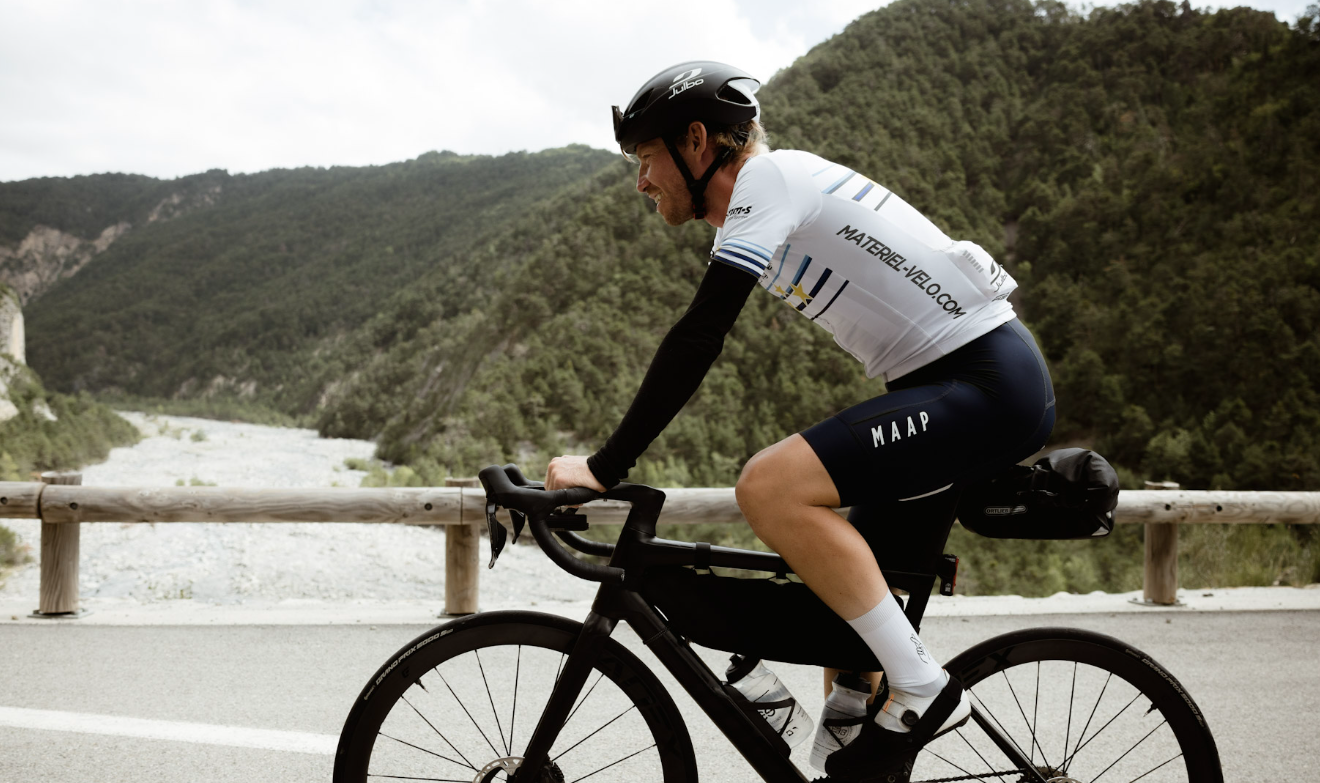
[[968, 390]]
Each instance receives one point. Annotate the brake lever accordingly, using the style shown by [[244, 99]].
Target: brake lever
[[498, 535], [519, 519]]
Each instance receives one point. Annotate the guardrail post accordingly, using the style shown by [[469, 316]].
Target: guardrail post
[[462, 560], [1161, 578], [59, 560]]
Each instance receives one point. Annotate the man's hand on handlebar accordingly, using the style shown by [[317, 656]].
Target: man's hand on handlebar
[[569, 471]]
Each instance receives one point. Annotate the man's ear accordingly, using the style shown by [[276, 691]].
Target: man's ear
[[697, 137]]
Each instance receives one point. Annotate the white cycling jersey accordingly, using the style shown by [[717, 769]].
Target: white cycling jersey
[[852, 256]]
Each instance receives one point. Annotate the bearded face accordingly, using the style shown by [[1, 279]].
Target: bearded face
[[659, 178]]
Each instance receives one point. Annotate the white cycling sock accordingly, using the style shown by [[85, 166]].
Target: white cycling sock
[[909, 666]]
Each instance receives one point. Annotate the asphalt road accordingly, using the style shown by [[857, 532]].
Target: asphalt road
[[1255, 675]]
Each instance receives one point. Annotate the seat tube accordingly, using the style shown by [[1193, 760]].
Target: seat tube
[[576, 669]]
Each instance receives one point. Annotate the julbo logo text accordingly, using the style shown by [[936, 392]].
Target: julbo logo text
[[685, 81]]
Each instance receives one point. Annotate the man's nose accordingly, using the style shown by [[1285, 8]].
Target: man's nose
[[642, 182]]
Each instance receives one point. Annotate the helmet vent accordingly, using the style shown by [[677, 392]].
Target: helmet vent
[[733, 93], [642, 102]]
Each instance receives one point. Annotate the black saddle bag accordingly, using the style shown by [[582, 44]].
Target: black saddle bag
[[1070, 493], [765, 618]]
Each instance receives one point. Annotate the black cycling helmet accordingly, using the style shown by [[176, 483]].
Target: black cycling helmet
[[701, 90]]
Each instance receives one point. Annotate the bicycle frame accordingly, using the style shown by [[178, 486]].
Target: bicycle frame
[[637, 549]]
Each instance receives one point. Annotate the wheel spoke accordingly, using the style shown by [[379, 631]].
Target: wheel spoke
[[424, 750], [1035, 710], [1072, 694], [1102, 729], [513, 714], [408, 777], [584, 698], [441, 734], [631, 707], [507, 750], [1034, 742], [465, 712], [612, 763], [970, 775], [987, 764], [1002, 729], [1147, 772], [1068, 759], [1129, 750], [1003, 732]]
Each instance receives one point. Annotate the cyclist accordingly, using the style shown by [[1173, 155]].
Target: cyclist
[[967, 388]]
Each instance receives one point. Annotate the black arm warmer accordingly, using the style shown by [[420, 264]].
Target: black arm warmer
[[676, 371]]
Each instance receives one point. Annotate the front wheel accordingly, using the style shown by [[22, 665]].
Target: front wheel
[[459, 703], [1080, 707]]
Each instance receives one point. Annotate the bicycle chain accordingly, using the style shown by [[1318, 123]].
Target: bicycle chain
[[954, 779]]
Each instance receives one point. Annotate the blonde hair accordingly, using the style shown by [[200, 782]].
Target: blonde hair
[[745, 138]]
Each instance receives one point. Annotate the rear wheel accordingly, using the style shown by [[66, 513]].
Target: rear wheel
[[459, 703], [1080, 706]]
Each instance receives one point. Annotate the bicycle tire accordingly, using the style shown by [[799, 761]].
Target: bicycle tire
[[1141, 749], [535, 641]]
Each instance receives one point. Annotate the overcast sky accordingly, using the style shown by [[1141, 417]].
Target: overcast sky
[[174, 88]]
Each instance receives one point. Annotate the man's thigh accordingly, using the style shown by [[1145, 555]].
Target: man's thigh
[[789, 471]]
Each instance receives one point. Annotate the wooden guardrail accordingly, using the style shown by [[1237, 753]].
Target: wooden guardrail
[[62, 505]]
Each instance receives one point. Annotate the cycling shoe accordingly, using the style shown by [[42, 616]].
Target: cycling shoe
[[900, 712], [880, 755]]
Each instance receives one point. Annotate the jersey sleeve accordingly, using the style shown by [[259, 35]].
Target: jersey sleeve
[[768, 203], [680, 363]]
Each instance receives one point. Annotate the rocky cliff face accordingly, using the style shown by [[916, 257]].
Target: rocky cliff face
[[177, 204], [12, 348], [13, 340], [47, 255]]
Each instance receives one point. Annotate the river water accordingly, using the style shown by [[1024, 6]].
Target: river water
[[265, 563]]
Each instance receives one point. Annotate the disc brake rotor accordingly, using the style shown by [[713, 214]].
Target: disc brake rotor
[[509, 765]]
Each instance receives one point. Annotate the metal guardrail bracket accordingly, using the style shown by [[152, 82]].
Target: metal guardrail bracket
[[74, 615]]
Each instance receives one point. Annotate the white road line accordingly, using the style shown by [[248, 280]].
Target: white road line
[[176, 731]]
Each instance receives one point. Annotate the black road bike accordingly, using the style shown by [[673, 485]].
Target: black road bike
[[535, 698]]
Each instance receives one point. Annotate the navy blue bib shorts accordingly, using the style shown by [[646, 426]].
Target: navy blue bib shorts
[[964, 417]]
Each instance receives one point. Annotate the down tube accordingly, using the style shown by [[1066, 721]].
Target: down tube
[[708, 692]]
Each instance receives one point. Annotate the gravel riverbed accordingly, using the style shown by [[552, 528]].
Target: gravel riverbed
[[234, 564]]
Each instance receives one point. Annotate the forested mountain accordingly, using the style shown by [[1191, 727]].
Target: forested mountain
[[84, 206], [244, 296], [1148, 172]]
